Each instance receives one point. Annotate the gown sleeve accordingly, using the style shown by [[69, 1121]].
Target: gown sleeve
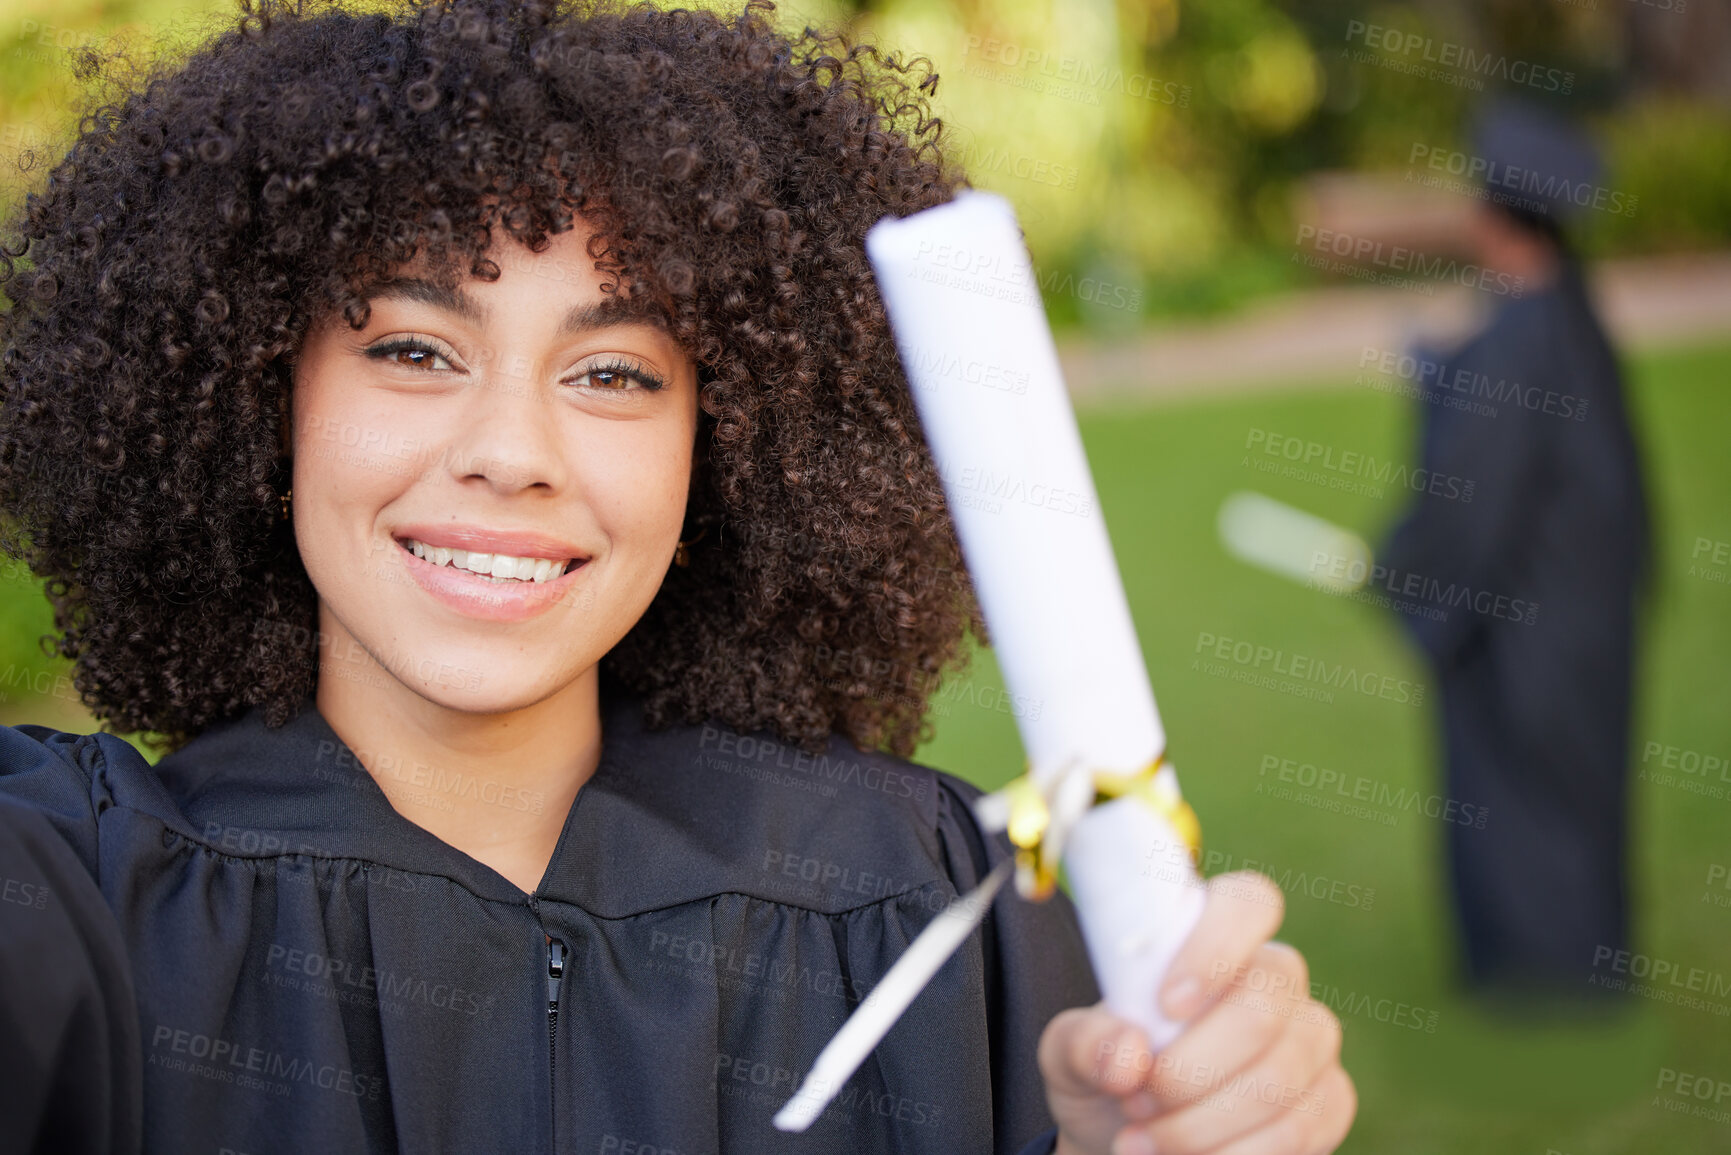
[[1036, 965], [71, 1075], [1461, 543]]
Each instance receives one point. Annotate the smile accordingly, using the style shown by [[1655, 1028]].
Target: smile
[[498, 567], [491, 586]]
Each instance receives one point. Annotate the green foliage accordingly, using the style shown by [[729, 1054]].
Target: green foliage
[[1675, 158], [1161, 141]]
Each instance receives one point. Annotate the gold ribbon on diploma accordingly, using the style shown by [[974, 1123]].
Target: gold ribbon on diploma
[[1037, 820], [1030, 821]]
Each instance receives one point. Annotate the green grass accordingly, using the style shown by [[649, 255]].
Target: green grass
[[1475, 1084]]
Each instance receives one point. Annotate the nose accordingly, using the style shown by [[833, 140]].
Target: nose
[[507, 435]]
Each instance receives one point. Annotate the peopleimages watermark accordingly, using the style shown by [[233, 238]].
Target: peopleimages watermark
[[347, 658], [1688, 1093], [1350, 470], [29, 681], [911, 684], [927, 368], [367, 986], [982, 488], [685, 956], [1169, 860], [1694, 771], [1009, 162], [1453, 387], [1717, 566], [48, 43], [346, 766], [1063, 76], [1295, 673], [1414, 594], [1450, 62], [386, 451], [773, 1084], [17, 136], [1661, 980], [1371, 259], [816, 879], [1514, 185], [1717, 876], [255, 1068], [612, 1144], [1216, 1086], [987, 274], [1273, 992], [1356, 796], [772, 761], [24, 892]]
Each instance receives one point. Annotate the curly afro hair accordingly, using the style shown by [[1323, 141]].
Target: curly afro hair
[[160, 286]]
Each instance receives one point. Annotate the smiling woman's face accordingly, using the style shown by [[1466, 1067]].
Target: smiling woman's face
[[522, 418]]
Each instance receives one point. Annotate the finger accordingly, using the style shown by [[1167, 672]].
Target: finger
[[1340, 1097], [1249, 1018], [1224, 1104], [1086, 1051], [1301, 1133], [1243, 910]]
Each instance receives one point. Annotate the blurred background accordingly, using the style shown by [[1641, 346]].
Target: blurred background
[[1175, 165]]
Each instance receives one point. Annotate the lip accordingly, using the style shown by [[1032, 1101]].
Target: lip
[[474, 596], [513, 543]]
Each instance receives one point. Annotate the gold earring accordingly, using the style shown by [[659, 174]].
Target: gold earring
[[285, 502], [682, 555]]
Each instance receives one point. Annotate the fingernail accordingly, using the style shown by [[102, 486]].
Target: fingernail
[[1133, 1143], [1181, 998]]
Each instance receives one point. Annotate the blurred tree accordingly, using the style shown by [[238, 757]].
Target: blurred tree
[[1681, 49], [1153, 147]]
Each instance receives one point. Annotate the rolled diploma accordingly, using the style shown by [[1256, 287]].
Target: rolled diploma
[[959, 289]]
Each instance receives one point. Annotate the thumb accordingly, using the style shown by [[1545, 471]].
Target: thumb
[[1088, 1051]]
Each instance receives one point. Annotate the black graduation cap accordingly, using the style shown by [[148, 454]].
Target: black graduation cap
[[1536, 160]]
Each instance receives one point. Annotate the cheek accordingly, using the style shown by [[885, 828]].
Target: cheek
[[638, 483], [347, 458]]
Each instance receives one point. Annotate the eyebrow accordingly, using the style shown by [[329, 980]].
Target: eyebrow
[[613, 310]]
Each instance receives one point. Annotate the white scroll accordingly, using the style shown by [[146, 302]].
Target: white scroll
[[961, 297]]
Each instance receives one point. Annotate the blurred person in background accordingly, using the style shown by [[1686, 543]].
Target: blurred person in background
[[1524, 598]]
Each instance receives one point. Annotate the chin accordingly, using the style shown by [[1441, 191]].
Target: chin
[[484, 693]]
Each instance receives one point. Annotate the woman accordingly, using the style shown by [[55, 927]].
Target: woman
[[470, 442]]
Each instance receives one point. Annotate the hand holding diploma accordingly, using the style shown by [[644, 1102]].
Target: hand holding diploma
[[1256, 1070], [1169, 950]]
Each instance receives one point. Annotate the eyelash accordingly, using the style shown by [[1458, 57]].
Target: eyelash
[[635, 371], [645, 377]]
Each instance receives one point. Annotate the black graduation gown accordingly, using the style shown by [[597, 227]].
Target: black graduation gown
[[245, 949], [1524, 598]]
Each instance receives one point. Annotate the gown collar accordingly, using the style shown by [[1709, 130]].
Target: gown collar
[[669, 816]]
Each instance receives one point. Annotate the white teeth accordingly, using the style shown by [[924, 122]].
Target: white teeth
[[498, 566]]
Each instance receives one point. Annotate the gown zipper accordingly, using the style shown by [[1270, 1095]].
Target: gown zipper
[[555, 973]]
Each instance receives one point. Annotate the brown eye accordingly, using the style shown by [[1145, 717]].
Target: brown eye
[[620, 377], [419, 358], [410, 353]]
